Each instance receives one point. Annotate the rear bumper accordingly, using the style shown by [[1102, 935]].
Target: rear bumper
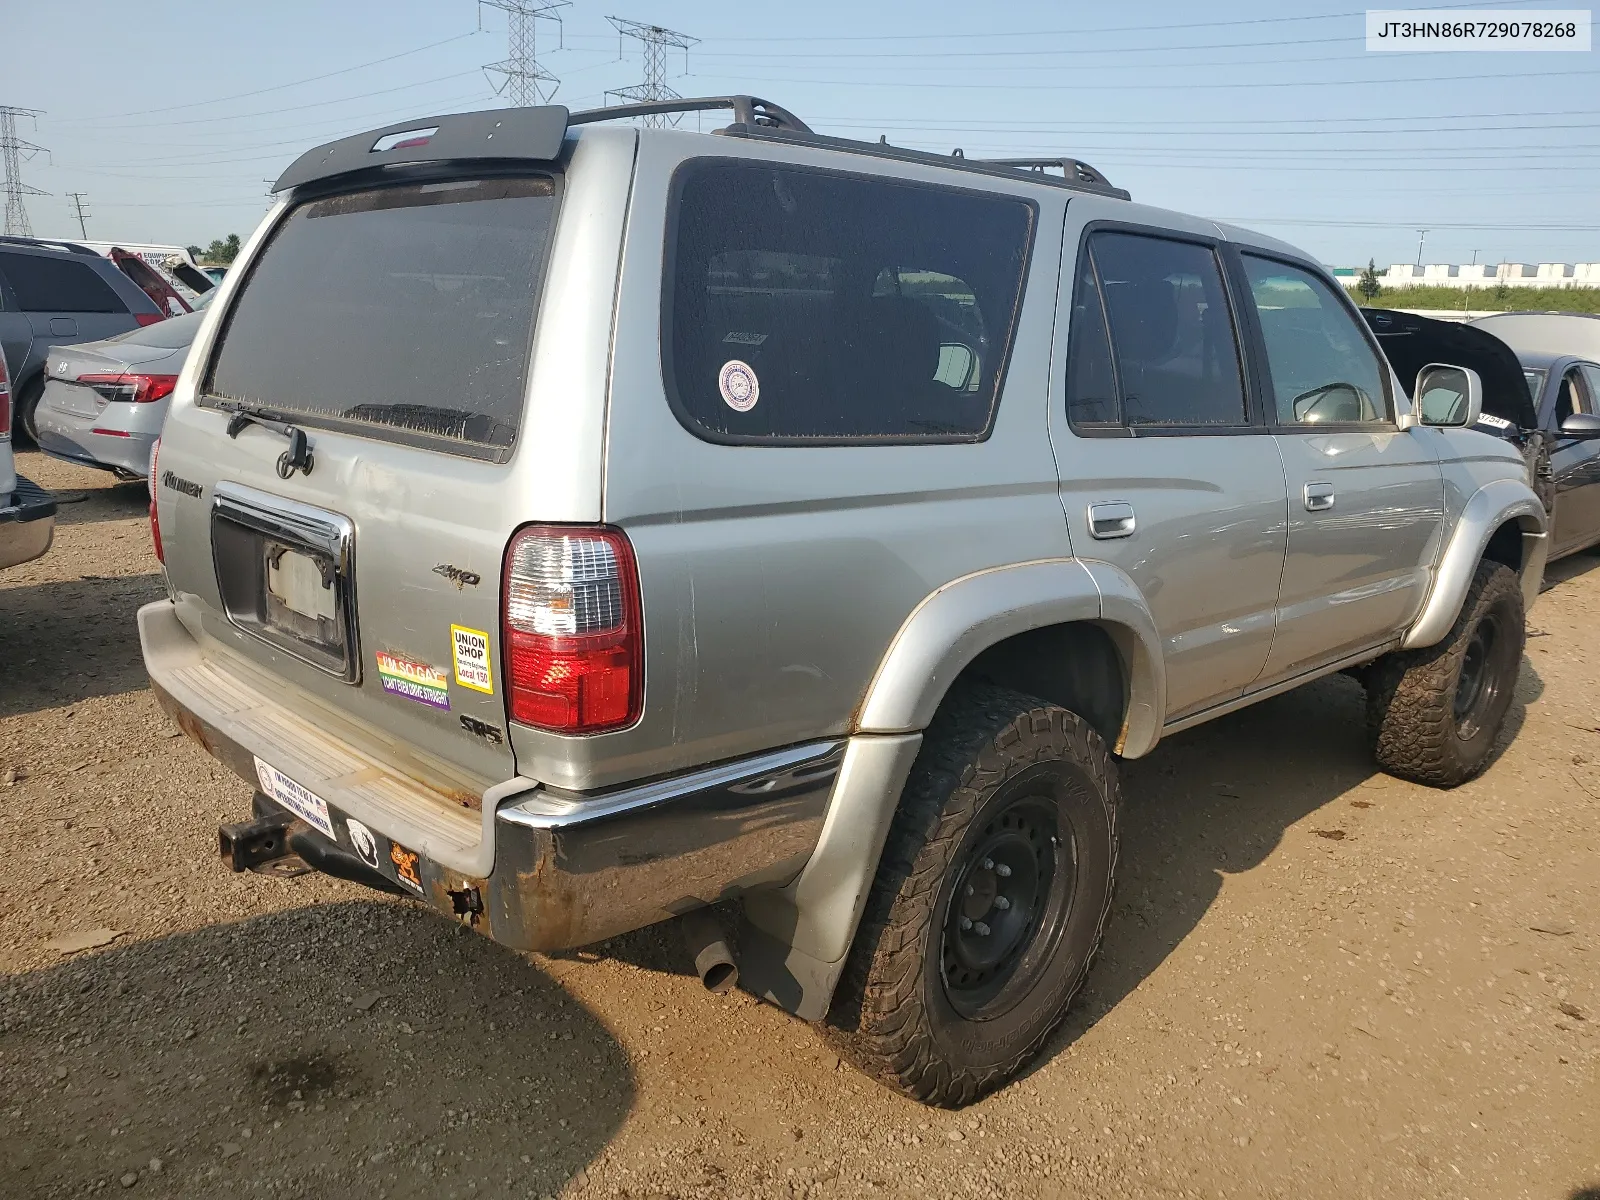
[[27, 523], [550, 870], [129, 431]]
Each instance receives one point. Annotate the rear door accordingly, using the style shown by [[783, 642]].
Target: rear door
[[1366, 499], [65, 300], [1166, 470], [392, 327]]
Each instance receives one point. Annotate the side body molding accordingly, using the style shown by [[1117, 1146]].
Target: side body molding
[[963, 618], [1492, 505]]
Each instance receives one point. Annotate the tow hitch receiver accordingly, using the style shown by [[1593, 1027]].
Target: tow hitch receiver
[[261, 845]]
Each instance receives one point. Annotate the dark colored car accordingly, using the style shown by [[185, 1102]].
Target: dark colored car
[[59, 294]]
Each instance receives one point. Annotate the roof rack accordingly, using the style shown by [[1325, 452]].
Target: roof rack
[[47, 244], [537, 134], [1070, 168], [751, 111]]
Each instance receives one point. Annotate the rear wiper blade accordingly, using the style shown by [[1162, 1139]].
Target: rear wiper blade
[[297, 457]]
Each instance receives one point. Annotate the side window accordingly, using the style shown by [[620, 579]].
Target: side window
[[1172, 336], [1591, 377], [804, 305], [1323, 371], [44, 284], [1091, 380], [1570, 398]]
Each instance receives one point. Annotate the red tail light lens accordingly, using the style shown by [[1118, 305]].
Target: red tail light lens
[[132, 387], [572, 632], [149, 318], [155, 519]]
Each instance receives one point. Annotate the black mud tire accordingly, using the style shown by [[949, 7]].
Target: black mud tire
[[1428, 721], [27, 403], [994, 764]]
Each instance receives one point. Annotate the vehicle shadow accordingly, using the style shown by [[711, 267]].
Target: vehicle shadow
[[113, 501], [352, 1049], [1571, 567], [1216, 801], [71, 640]]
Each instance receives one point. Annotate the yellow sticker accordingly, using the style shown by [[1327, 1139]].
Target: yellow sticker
[[470, 649]]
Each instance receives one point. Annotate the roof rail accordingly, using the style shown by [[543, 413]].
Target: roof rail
[[1070, 168], [750, 111], [48, 244]]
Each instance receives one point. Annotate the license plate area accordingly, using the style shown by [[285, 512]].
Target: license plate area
[[286, 576]]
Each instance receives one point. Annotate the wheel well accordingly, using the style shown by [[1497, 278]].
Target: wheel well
[[1075, 665], [1505, 546]]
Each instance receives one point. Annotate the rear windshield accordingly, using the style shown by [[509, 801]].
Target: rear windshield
[[404, 313]]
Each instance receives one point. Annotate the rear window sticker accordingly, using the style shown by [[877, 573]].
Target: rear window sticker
[[745, 339], [414, 680], [405, 866], [470, 649], [738, 384], [301, 801], [366, 846]]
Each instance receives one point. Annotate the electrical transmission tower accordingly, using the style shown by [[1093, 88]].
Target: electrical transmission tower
[[77, 204], [656, 41], [12, 151], [526, 82]]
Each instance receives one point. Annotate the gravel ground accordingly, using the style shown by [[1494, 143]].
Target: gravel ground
[[1317, 982]]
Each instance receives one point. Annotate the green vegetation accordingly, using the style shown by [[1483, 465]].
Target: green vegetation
[[1500, 298], [1368, 285], [221, 252]]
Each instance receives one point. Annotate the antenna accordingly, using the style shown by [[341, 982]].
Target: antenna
[[13, 151], [526, 83], [77, 204], [656, 41]]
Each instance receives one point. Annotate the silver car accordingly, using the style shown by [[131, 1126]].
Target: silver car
[[572, 526], [104, 402]]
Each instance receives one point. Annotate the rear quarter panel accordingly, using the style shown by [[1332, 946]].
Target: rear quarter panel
[[775, 577]]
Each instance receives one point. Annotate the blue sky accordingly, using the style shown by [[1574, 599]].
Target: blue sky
[[1269, 114]]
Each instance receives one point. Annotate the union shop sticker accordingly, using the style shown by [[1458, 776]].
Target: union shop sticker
[[414, 680], [470, 649], [739, 386]]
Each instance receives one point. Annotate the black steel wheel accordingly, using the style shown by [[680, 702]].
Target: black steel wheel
[[990, 899]]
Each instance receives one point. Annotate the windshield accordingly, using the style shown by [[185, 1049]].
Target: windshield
[[403, 313], [1535, 378]]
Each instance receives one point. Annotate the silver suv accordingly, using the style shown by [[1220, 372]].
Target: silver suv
[[573, 525]]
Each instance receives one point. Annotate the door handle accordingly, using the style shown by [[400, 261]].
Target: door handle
[[1112, 519], [1318, 497]]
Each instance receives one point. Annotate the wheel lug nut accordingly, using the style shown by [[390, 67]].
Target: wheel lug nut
[[1002, 903], [988, 864], [969, 889], [966, 922], [1003, 871], [981, 929]]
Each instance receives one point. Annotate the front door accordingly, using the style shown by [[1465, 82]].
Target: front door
[[1366, 499], [1166, 470]]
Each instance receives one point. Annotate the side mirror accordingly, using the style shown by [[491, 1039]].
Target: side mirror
[[1581, 425], [956, 365], [1448, 396]]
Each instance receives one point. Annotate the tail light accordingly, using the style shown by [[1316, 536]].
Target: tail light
[[155, 519], [573, 634], [149, 318], [131, 387], [5, 402]]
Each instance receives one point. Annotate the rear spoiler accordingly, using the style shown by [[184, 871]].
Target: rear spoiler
[[503, 133]]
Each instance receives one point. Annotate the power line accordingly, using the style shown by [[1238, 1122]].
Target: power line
[[13, 150], [655, 41], [77, 204], [526, 82]]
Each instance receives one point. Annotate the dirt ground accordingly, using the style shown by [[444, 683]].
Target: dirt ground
[[1318, 981]]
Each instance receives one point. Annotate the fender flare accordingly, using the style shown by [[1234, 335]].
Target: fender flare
[[1490, 507], [966, 616]]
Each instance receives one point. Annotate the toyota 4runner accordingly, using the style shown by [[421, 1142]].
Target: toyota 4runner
[[574, 525]]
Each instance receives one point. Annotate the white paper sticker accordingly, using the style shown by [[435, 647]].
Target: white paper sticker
[[1493, 421], [738, 384], [302, 802], [470, 649], [365, 844]]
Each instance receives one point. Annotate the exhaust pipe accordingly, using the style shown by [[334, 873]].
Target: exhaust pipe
[[713, 961]]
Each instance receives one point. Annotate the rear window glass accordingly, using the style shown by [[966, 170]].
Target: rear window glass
[[403, 313], [50, 285], [172, 334], [807, 306]]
